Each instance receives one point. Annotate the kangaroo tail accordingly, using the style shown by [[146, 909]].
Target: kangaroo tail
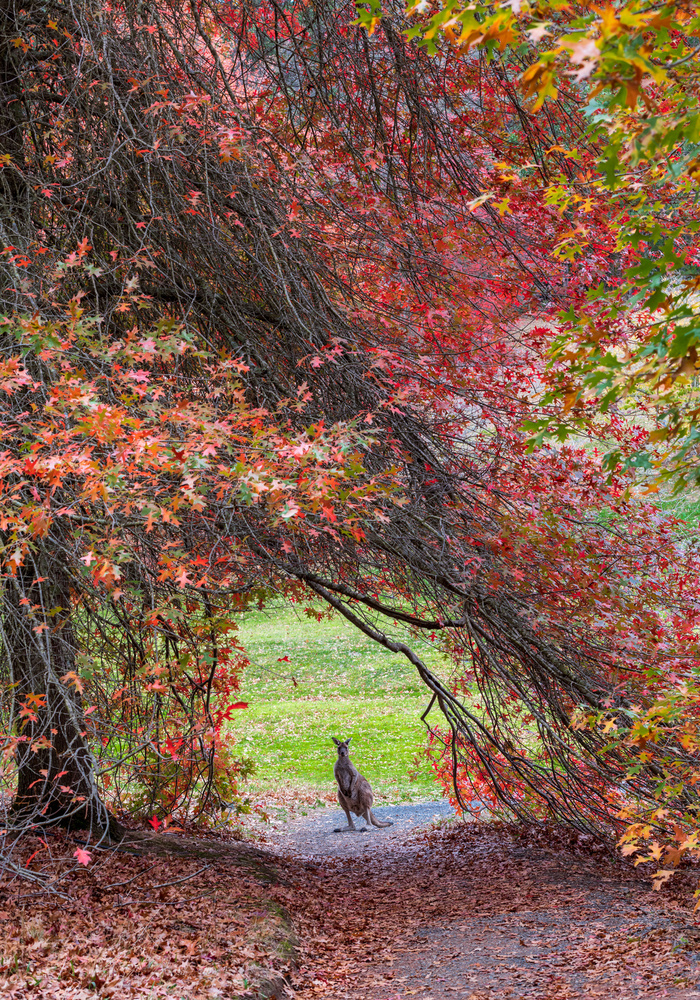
[[378, 822]]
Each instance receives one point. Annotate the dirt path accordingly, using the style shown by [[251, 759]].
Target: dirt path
[[463, 911], [467, 912], [315, 836]]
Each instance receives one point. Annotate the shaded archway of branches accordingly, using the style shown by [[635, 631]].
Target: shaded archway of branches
[[151, 167]]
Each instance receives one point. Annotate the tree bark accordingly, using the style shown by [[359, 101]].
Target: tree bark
[[56, 769], [55, 766], [16, 227]]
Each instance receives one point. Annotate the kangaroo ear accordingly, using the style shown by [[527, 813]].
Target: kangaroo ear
[[348, 739], [337, 742]]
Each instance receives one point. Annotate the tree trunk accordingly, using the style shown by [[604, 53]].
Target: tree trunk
[[16, 227], [56, 768]]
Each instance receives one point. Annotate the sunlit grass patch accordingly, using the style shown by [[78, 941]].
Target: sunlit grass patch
[[685, 506], [310, 681]]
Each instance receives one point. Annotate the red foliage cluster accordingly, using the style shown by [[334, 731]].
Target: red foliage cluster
[[266, 333]]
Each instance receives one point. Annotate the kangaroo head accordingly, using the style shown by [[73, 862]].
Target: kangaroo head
[[342, 746]]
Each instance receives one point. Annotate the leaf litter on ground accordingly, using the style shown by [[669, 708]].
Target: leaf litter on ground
[[474, 911], [179, 917], [481, 912]]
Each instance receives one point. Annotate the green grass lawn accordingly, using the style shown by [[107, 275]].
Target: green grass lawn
[[685, 506], [343, 685]]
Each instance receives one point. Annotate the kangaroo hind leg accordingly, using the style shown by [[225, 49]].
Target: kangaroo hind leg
[[378, 822], [343, 805]]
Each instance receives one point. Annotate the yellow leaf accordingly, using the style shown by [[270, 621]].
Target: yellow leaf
[[532, 73], [502, 206], [476, 202], [611, 25], [468, 38], [656, 851], [660, 877], [502, 35]]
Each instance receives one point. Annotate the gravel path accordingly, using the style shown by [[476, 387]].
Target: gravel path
[[314, 835], [470, 914]]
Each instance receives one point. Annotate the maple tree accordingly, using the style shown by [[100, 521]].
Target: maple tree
[[626, 347], [631, 71], [136, 463], [262, 335], [642, 641]]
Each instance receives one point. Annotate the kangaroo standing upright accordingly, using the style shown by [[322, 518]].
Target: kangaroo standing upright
[[354, 791]]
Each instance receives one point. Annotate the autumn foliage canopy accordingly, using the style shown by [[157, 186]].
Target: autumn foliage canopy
[[284, 312]]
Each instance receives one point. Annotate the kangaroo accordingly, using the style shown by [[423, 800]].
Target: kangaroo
[[354, 791]]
